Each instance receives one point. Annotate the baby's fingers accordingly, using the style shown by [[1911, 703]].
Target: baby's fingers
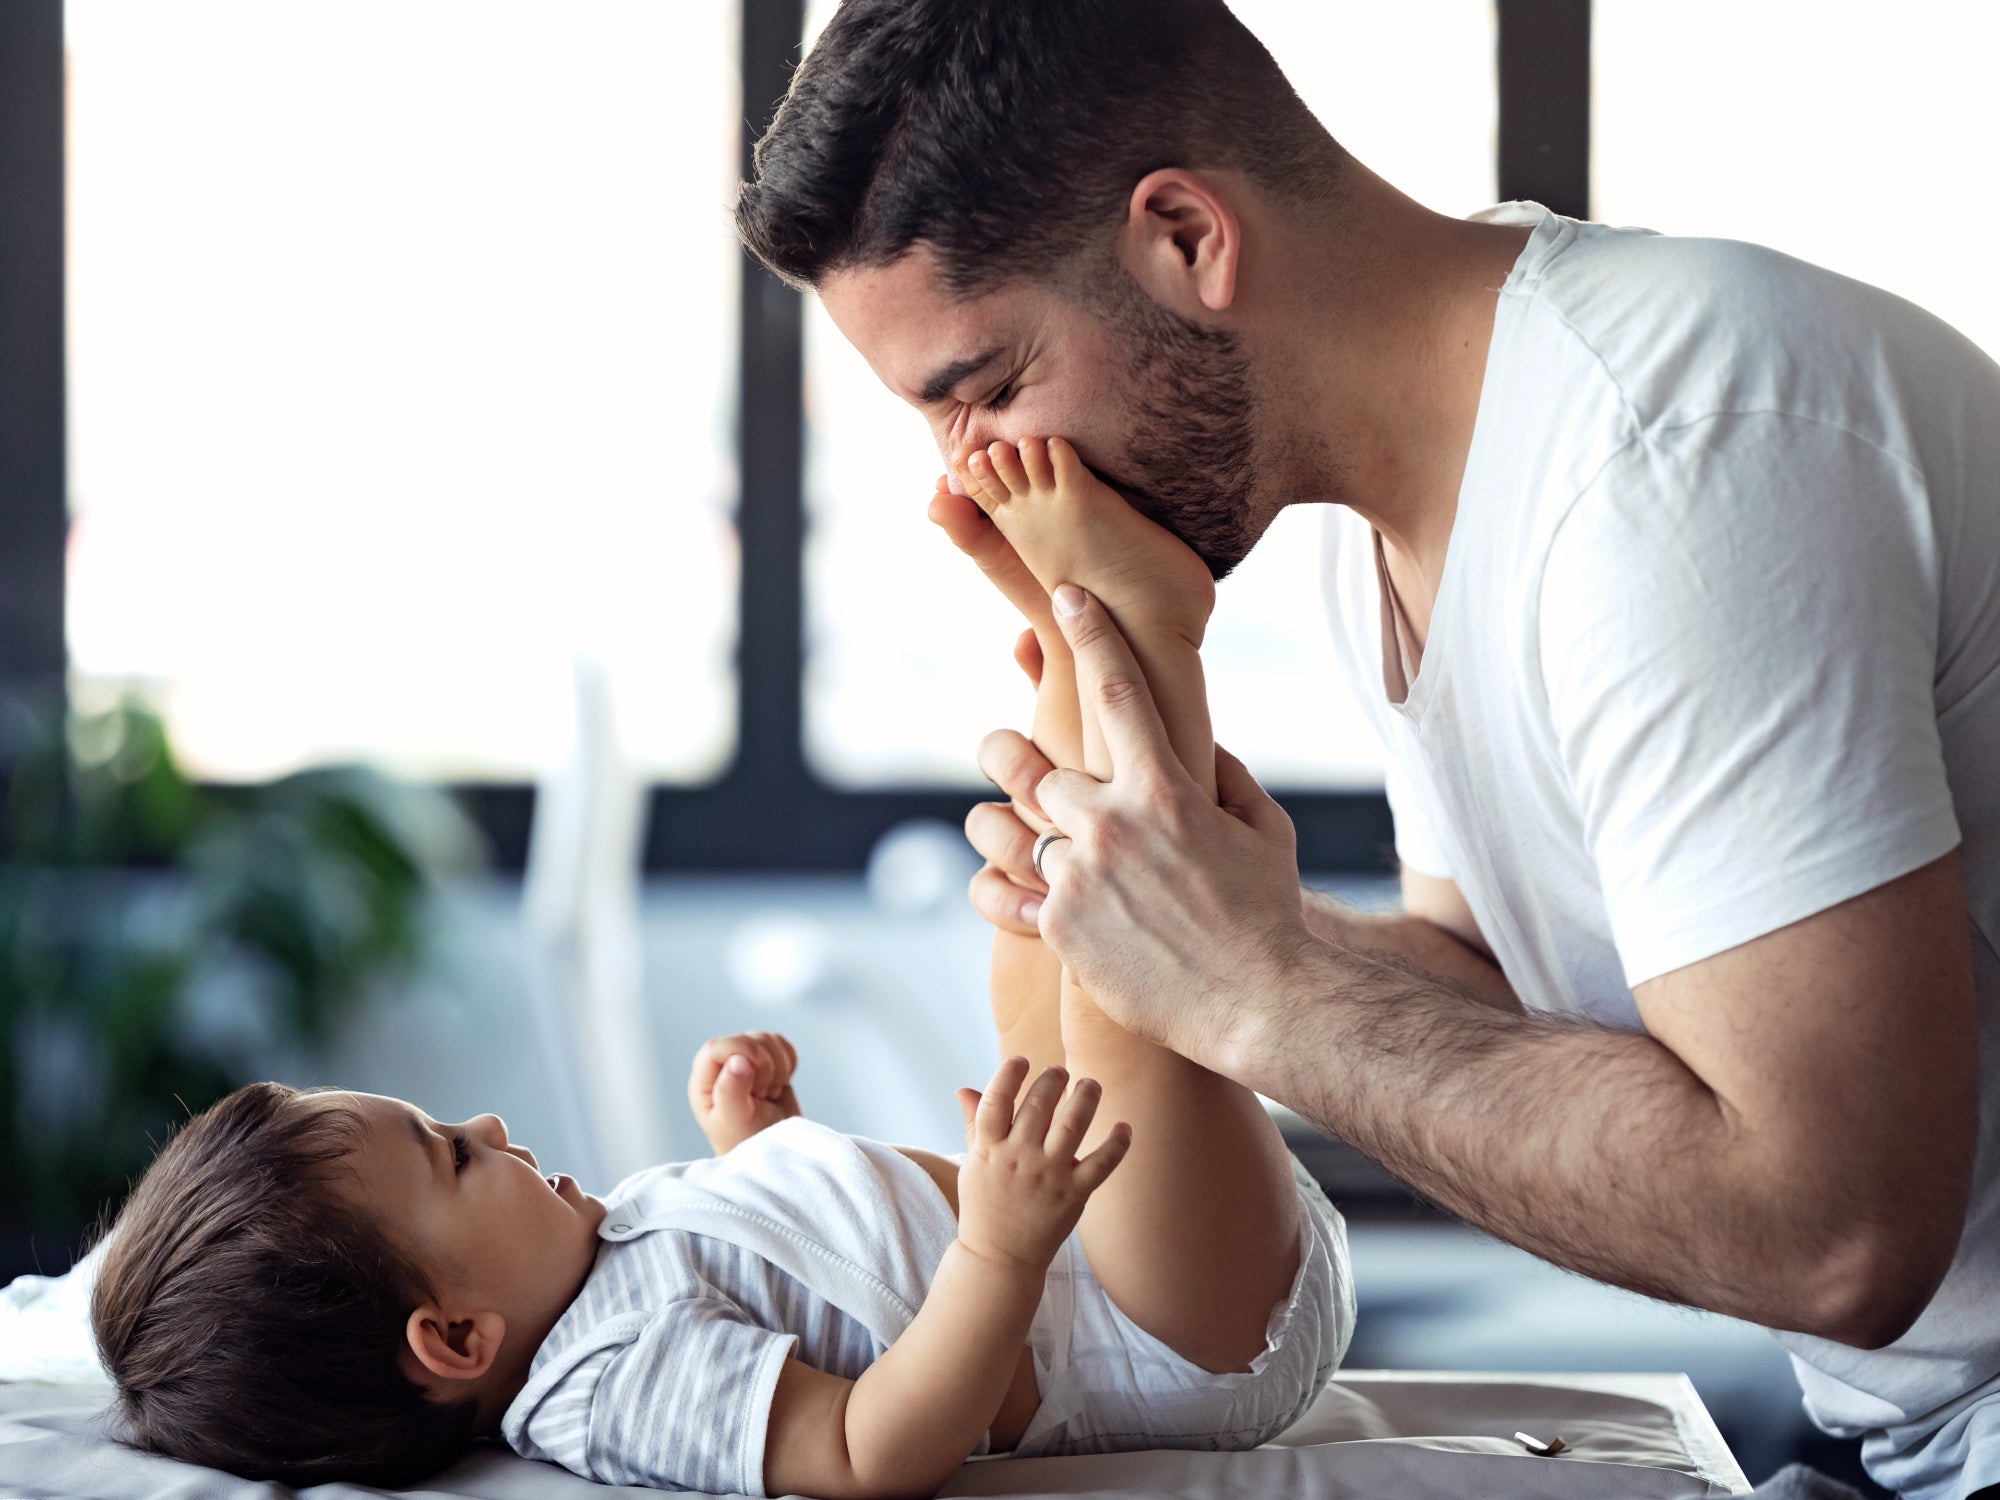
[[774, 1061], [1072, 1121], [1031, 1123], [996, 1107], [733, 1083], [1092, 1171]]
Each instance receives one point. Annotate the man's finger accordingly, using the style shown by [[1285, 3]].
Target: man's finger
[[1004, 904], [1242, 797], [1003, 840], [1028, 657], [1108, 677], [1071, 799], [1009, 760]]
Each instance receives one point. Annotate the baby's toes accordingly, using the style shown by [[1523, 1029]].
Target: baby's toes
[[1007, 464], [988, 491], [1065, 465], [1035, 460]]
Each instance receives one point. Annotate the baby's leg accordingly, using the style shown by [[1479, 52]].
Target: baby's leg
[[1026, 978], [1195, 1237]]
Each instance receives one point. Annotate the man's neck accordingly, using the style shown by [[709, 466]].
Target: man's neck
[[1392, 362]]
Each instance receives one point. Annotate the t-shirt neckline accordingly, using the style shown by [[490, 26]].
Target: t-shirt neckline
[[1420, 688]]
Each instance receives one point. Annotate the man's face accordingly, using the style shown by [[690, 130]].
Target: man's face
[[473, 1210], [1162, 408]]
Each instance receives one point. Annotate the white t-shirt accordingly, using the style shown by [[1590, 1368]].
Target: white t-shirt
[[1716, 647]]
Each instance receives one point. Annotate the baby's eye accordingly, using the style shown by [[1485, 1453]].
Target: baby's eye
[[1000, 398], [460, 1153]]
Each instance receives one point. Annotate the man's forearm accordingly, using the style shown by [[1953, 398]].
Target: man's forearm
[[1596, 1149], [1411, 940]]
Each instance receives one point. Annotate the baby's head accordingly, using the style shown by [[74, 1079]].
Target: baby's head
[[323, 1285]]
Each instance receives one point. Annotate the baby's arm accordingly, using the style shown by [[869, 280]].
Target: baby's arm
[[741, 1084], [916, 1414]]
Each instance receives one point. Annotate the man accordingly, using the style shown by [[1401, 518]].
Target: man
[[1670, 573]]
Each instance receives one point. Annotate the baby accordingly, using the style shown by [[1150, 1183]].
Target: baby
[[318, 1285]]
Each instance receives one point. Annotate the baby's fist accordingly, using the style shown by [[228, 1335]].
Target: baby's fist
[[740, 1085]]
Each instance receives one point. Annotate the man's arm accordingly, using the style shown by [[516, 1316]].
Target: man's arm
[[1434, 933], [1790, 1141]]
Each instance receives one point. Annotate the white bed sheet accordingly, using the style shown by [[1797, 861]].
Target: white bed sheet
[[1375, 1433]]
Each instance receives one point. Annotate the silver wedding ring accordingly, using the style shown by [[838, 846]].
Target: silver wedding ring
[[1054, 835]]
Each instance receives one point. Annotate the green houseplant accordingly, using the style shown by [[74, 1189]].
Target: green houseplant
[[125, 888]]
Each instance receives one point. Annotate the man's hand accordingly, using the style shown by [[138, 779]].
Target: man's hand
[[1175, 914], [1007, 892], [1022, 1189], [740, 1085]]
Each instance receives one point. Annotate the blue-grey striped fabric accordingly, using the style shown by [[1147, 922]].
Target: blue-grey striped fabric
[[676, 1341]]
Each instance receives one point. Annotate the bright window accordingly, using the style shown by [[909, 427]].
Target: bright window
[[908, 661], [1857, 137], [402, 366]]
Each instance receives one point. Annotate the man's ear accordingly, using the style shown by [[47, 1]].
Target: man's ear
[[1181, 240], [454, 1349]]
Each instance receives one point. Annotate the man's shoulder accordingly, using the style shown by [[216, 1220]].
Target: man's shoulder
[[1684, 328]]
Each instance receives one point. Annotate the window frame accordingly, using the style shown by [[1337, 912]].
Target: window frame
[[769, 810]]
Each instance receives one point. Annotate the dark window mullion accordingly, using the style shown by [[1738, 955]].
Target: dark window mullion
[[1545, 103], [34, 502], [770, 453]]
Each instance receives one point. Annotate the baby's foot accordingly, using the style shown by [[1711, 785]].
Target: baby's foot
[[1058, 726], [1069, 526], [966, 523]]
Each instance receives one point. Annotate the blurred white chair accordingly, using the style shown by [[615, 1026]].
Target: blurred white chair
[[582, 902]]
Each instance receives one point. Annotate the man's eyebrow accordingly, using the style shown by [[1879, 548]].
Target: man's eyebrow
[[425, 1142], [946, 380]]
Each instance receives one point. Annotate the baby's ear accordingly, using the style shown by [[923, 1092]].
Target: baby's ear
[[454, 1348]]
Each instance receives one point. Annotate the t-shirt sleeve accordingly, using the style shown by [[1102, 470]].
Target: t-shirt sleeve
[[684, 1405], [1421, 843], [1738, 640]]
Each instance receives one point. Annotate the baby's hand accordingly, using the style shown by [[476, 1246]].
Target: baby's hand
[[741, 1084], [1022, 1189]]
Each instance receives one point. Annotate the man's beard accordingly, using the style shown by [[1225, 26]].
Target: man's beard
[[1190, 451]]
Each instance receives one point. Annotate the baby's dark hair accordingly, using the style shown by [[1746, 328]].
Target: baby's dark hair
[[253, 1319]]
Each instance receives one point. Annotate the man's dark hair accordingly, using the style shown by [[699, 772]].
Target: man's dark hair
[[1007, 135], [253, 1321]]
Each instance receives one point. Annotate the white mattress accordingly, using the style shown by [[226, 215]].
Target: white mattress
[[1375, 1433]]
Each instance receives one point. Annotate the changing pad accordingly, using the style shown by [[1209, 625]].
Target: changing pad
[[1374, 1433]]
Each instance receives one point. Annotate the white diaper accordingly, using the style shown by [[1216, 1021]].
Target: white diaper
[[1108, 1386]]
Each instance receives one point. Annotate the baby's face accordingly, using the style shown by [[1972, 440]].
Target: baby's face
[[475, 1212]]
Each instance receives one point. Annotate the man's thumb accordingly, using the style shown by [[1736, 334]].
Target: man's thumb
[[1242, 797]]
